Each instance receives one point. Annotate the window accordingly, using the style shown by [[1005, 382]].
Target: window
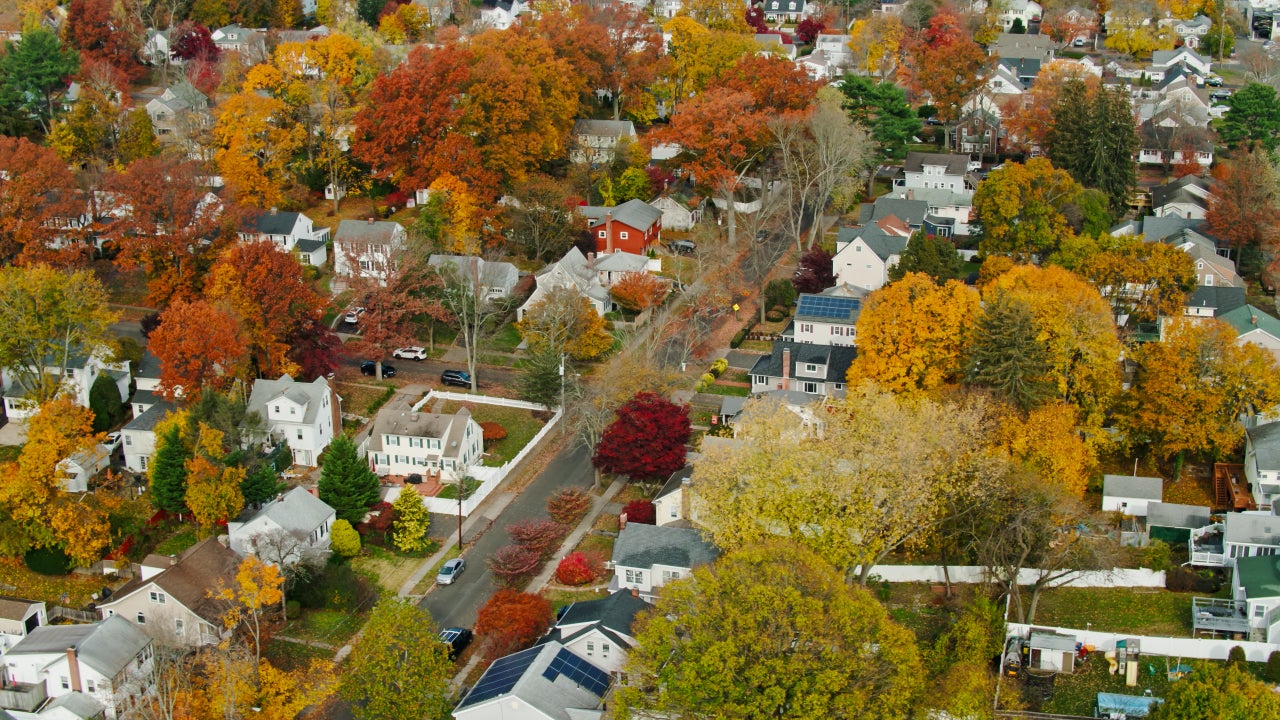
[[675, 511], [600, 234], [279, 409], [806, 327], [634, 576], [1208, 280], [142, 619], [90, 686], [622, 235], [157, 597], [811, 388], [604, 649], [415, 442], [668, 575], [177, 625], [66, 684], [299, 433], [293, 410], [143, 462], [591, 648], [128, 440], [809, 367], [393, 440], [1260, 611]]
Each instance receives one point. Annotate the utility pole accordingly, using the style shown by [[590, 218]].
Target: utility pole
[[562, 420], [462, 481]]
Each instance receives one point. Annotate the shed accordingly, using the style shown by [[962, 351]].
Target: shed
[[1120, 707], [1130, 494], [1052, 651], [1173, 523]]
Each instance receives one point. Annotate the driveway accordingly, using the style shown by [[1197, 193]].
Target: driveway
[[457, 604]]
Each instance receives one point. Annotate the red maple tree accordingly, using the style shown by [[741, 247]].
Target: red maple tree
[[640, 511], [646, 441], [198, 346], [512, 621], [578, 568], [1241, 209]]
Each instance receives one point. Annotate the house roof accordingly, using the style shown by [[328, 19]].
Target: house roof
[[191, 580], [1188, 188], [308, 395], [309, 245], [78, 704], [15, 608], [548, 677], [578, 273], [828, 308], [1249, 318], [604, 128], [108, 646], [297, 511], [636, 213], [675, 482], [616, 612], [148, 420], [648, 545], [1259, 576], [1011, 45], [777, 6], [1165, 58], [401, 419], [1265, 441], [1154, 228], [273, 222], [1222, 298], [149, 367], [1173, 515], [954, 164], [1022, 67], [621, 262], [1132, 486], [1251, 529], [836, 358], [491, 273], [367, 231], [1053, 641], [907, 210]]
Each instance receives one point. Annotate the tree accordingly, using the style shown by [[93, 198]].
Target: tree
[[568, 506], [947, 64], [1244, 201], [261, 484], [814, 272], [716, 15], [541, 223], [542, 379], [646, 441], [639, 291], [876, 43], [929, 254], [1049, 440], [1192, 388], [640, 511], [1007, 355], [1130, 30], [783, 635], [809, 28], [344, 539], [912, 334], [1254, 117], [463, 295], [137, 138], [398, 668], [630, 60], [578, 569], [213, 491], [1219, 42], [1031, 117], [104, 400], [198, 346], [168, 472], [410, 533], [1223, 692], [564, 320], [695, 56], [103, 31], [1017, 210], [511, 621], [32, 177], [255, 589], [346, 482], [256, 144], [514, 565], [38, 68], [192, 41], [1145, 281], [1093, 136]]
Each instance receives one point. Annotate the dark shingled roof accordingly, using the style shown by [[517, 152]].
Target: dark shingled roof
[[675, 482], [274, 222], [1222, 298], [837, 359], [191, 579], [643, 546], [955, 164], [616, 612], [152, 417]]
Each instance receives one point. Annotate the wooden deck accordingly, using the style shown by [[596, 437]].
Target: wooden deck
[[1230, 491]]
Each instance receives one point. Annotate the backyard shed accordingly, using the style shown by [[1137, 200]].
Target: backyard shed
[[1130, 494], [1121, 707], [1173, 523], [1052, 651]]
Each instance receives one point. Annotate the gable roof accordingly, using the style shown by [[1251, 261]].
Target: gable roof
[[836, 358], [1132, 486], [1259, 576], [648, 545], [147, 421], [297, 511], [1154, 229], [604, 128], [636, 213], [12, 608], [273, 222], [1265, 441], [954, 164], [573, 270], [1249, 318], [1221, 298], [107, 646], [828, 308], [491, 273], [308, 395], [401, 419], [1251, 528], [548, 677], [777, 6], [616, 612], [676, 481], [193, 578], [367, 231], [620, 261], [1188, 188], [1174, 515]]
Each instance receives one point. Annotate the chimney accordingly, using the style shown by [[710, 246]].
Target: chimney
[[273, 210], [413, 417], [911, 194], [635, 592], [73, 664], [608, 232], [371, 220], [1253, 319], [622, 521], [786, 368]]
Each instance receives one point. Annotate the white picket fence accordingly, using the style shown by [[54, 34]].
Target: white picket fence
[[1202, 648], [972, 574]]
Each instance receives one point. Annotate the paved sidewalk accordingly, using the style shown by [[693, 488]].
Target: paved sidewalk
[[541, 579]]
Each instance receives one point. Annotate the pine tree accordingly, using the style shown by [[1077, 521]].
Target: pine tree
[[261, 485], [169, 473], [413, 521], [1007, 357], [1094, 138], [929, 254], [540, 381], [346, 482]]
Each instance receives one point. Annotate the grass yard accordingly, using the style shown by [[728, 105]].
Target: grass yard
[[520, 425], [390, 569], [288, 655], [599, 544], [504, 340], [450, 490], [607, 522], [177, 542], [756, 346], [359, 397], [1126, 610], [560, 598], [331, 627], [16, 578], [917, 607], [728, 390], [9, 453], [629, 492]]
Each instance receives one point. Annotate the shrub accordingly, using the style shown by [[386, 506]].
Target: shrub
[[540, 536], [1157, 555], [1236, 656], [382, 518], [335, 585], [292, 608], [640, 511], [774, 316], [699, 387], [493, 432], [1272, 671], [779, 292], [344, 539], [719, 366], [578, 568], [512, 621], [514, 565], [48, 561], [707, 379], [568, 506], [738, 338]]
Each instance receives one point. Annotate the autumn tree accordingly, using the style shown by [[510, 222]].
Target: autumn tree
[[52, 317], [963, 681], [410, 532], [463, 296], [213, 491], [1007, 355], [946, 63], [1094, 136], [876, 43], [511, 621], [1243, 201], [345, 541], [199, 346], [398, 668], [716, 14], [913, 334], [929, 254], [1048, 440], [1142, 280], [256, 144], [780, 630], [1065, 26], [565, 320], [346, 482], [1192, 388], [1017, 210], [254, 591], [105, 31], [1226, 692], [191, 41], [647, 440], [814, 272], [695, 55], [1030, 117], [639, 291], [35, 187], [541, 223]]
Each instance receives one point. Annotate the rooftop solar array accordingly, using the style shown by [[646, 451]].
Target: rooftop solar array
[[501, 676], [826, 306], [580, 671]]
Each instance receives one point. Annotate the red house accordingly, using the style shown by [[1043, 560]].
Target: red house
[[634, 226]]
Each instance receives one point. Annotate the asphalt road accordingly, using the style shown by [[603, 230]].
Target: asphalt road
[[457, 604]]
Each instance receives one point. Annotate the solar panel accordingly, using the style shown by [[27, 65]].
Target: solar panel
[[501, 676], [581, 672], [825, 306]]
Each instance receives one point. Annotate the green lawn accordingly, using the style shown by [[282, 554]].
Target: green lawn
[[179, 541], [520, 425], [290, 655], [450, 491], [734, 390], [504, 340], [9, 453], [1127, 610], [332, 627]]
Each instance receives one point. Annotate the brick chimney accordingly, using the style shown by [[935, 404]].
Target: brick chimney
[[786, 368], [73, 665], [608, 232]]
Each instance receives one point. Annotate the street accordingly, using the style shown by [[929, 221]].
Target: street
[[428, 372], [457, 604]]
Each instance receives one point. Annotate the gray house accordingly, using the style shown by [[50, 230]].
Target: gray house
[[646, 557]]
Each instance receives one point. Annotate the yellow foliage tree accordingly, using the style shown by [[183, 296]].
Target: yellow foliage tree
[[283, 695], [877, 43], [213, 492], [257, 587], [460, 234], [83, 528], [912, 334], [256, 144], [566, 321], [58, 429], [1047, 441]]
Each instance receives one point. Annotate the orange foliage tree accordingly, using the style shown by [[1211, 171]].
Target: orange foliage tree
[[1243, 206], [511, 621], [946, 63], [35, 187], [198, 345], [639, 291]]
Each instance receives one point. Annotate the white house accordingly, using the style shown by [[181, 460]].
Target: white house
[[936, 170], [306, 415], [498, 279], [597, 141], [139, 436], [835, 46], [1189, 59], [679, 211], [290, 231], [600, 630], [502, 14], [646, 557], [827, 318], [865, 255], [948, 210], [407, 440], [1130, 494], [671, 504], [77, 468], [1262, 462], [290, 529], [231, 38], [546, 682], [18, 618], [173, 598], [98, 660], [572, 271], [786, 11], [1255, 586], [1188, 196], [1028, 11], [816, 370], [78, 374], [366, 248], [1191, 31], [613, 267]]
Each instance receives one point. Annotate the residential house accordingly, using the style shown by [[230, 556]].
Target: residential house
[[172, 112], [546, 682], [1212, 269], [600, 630], [571, 271], [173, 598], [79, 467], [367, 248], [1209, 301], [497, 279], [1172, 523], [1130, 494], [679, 211], [865, 255], [1186, 57], [78, 373], [646, 557], [1243, 534], [231, 38], [947, 211], [1253, 612], [634, 226], [937, 170], [1023, 12], [835, 47], [1255, 327], [286, 531], [1190, 31], [671, 504], [305, 415], [666, 9], [826, 319], [1262, 463], [817, 370], [72, 706], [1013, 46], [1156, 229], [18, 618], [777, 44], [786, 11], [613, 267], [289, 231], [1187, 197], [138, 436], [1161, 145], [597, 141], [502, 14], [817, 66], [1259, 18], [406, 440], [98, 660]]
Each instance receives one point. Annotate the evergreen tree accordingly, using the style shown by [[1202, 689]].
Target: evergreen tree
[[540, 381], [883, 109], [1094, 137], [929, 254], [1254, 117], [1007, 357], [37, 67], [104, 401], [346, 482], [169, 473], [261, 484]]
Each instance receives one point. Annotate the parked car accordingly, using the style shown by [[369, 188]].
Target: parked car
[[450, 571], [353, 315], [112, 443], [369, 367], [682, 247], [1213, 81], [410, 353], [456, 378], [1220, 95], [457, 638]]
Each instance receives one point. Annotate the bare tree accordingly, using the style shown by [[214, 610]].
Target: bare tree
[[466, 296], [291, 551]]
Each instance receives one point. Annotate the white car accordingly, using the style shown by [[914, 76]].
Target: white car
[[410, 353], [353, 315], [112, 442]]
